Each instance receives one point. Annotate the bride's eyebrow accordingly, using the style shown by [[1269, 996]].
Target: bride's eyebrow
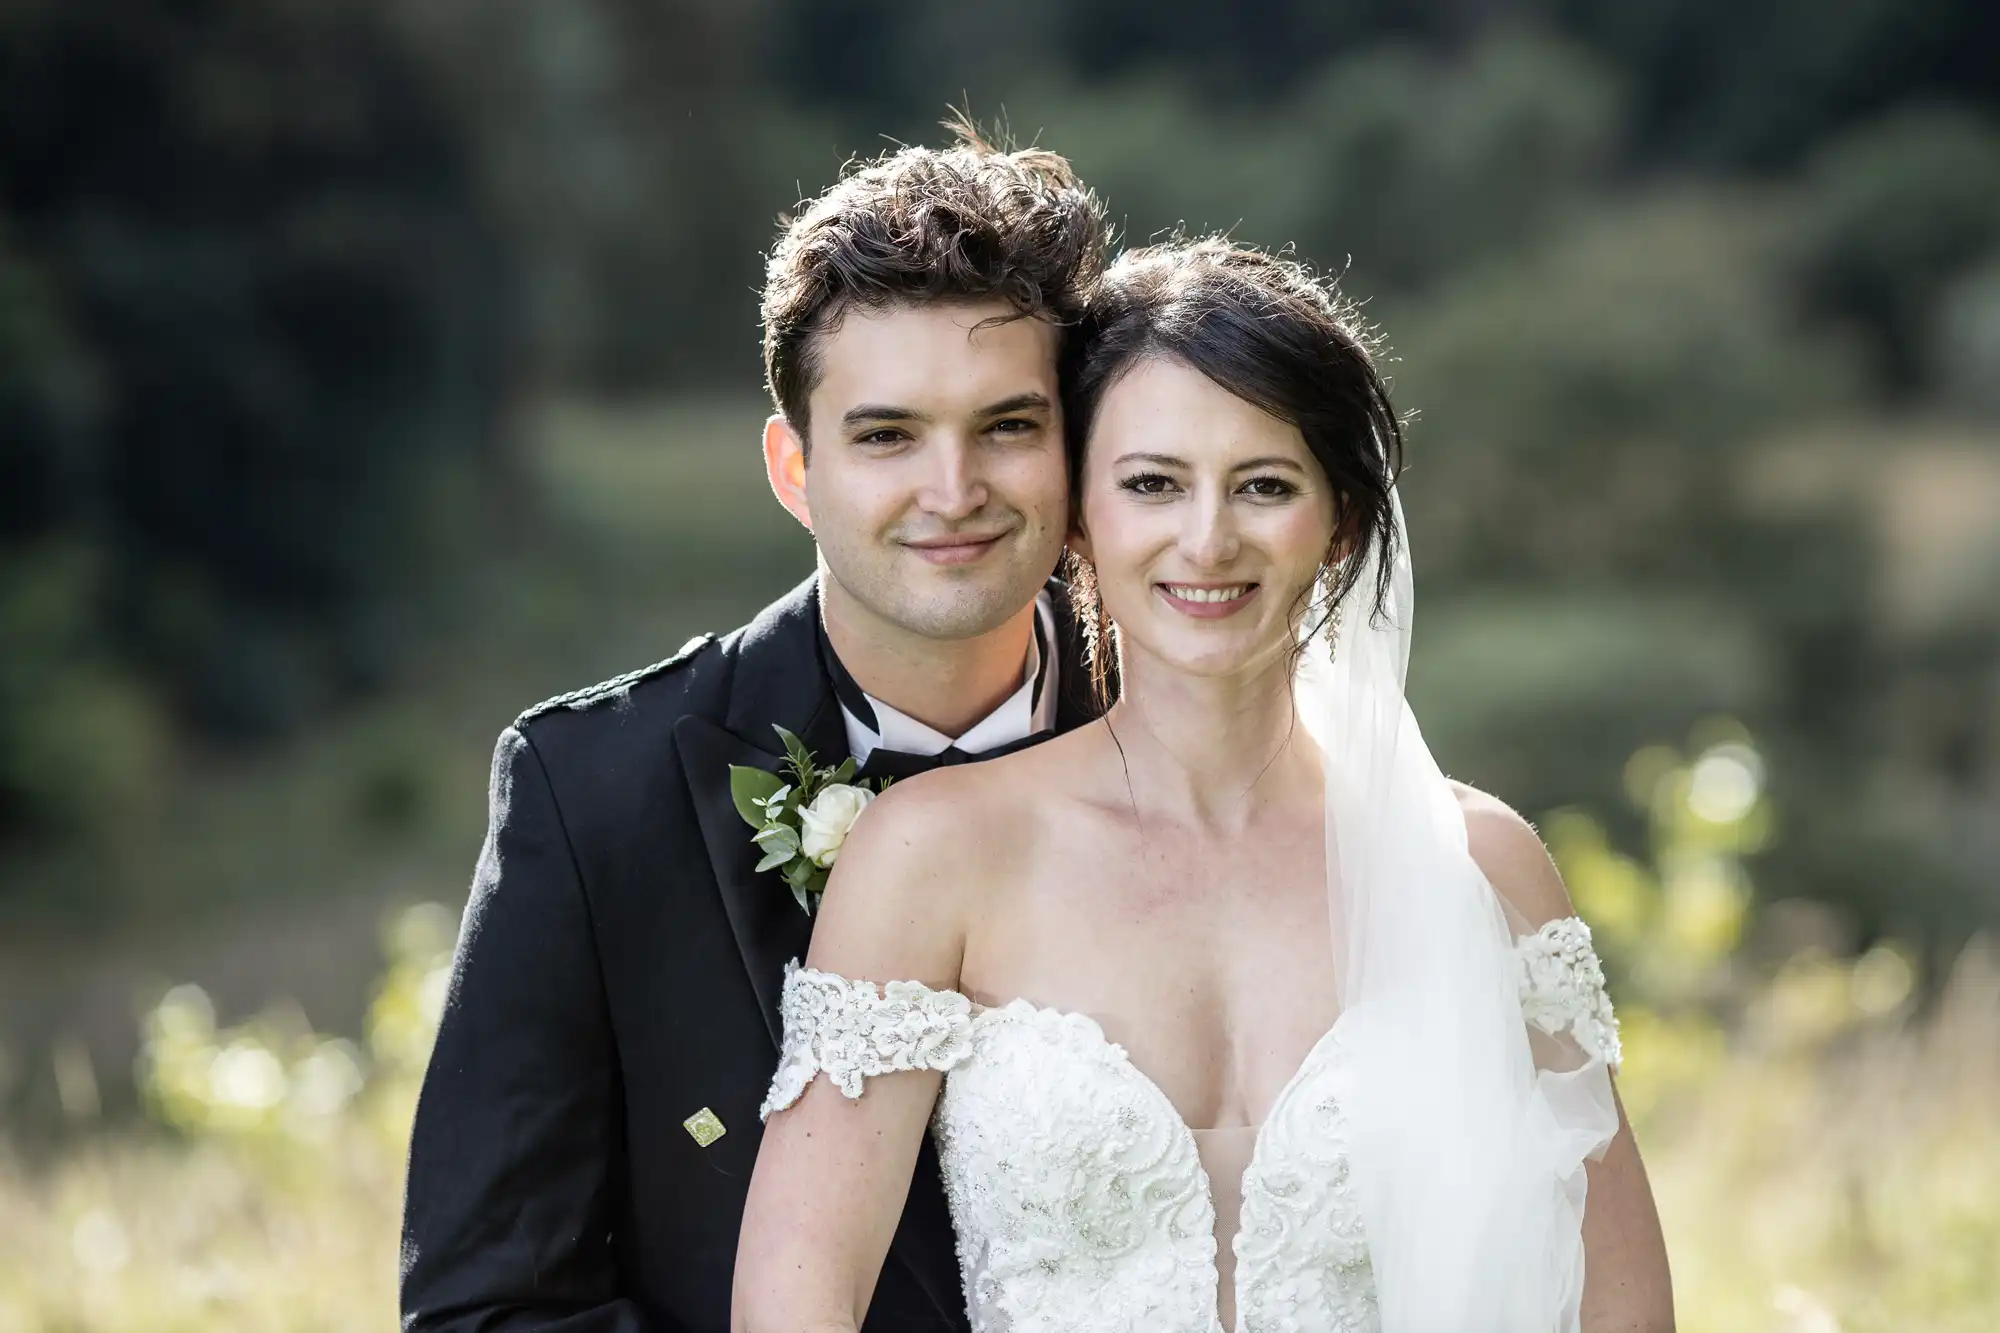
[[1169, 460]]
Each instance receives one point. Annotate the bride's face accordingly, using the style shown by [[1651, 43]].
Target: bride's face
[[1207, 520]]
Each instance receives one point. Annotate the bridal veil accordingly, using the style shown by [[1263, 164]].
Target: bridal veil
[[1470, 1129]]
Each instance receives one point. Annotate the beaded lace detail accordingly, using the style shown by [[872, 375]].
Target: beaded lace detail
[[1562, 988], [1301, 1256], [850, 1031], [1076, 1190]]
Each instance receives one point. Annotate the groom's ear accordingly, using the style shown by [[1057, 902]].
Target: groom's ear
[[785, 466]]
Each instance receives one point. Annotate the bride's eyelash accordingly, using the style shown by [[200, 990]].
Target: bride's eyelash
[[1146, 483], [1158, 483]]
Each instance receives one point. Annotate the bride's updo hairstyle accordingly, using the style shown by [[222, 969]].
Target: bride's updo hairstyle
[[1265, 329]]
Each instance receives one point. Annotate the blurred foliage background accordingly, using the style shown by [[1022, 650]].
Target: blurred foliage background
[[370, 369]]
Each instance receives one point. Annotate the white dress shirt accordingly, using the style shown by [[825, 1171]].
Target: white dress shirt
[[1022, 714]]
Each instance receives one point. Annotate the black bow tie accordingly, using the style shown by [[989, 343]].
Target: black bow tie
[[887, 763]]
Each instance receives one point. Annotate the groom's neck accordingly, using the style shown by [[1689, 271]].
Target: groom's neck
[[947, 684]]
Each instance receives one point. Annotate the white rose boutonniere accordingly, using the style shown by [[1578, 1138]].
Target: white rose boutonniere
[[802, 824], [825, 822]]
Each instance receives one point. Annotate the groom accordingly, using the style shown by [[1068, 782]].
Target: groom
[[587, 1127]]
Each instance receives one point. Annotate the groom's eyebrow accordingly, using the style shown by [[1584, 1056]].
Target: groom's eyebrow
[[865, 413], [855, 416], [1020, 402]]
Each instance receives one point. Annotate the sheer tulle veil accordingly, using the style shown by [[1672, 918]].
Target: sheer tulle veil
[[1468, 1140]]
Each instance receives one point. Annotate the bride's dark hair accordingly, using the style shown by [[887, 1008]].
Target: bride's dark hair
[[1267, 330]]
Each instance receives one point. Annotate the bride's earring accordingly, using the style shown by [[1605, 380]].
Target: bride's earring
[[1329, 582], [1088, 601]]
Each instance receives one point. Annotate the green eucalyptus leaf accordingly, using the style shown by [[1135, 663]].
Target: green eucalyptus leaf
[[804, 901], [777, 838], [776, 857], [749, 785], [797, 755]]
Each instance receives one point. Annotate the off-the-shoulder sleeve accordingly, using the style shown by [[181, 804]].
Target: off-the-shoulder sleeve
[[851, 1031], [1562, 988]]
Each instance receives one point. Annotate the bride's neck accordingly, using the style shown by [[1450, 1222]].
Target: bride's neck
[[1199, 745]]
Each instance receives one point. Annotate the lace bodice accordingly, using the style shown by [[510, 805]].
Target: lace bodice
[[1076, 1189]]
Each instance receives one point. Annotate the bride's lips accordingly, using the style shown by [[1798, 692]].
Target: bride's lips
[[1207, 601], [957, 549]]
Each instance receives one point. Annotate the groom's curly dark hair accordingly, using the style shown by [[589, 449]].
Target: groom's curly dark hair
[[976, 221]]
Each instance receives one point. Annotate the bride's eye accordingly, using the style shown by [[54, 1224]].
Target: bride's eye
[[1269, 488], [1147, 483]]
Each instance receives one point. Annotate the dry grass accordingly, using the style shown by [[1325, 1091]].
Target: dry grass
[[1853, 1187]]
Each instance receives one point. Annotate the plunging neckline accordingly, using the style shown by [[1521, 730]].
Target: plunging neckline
[[1022, 1005], [1122, 1059]]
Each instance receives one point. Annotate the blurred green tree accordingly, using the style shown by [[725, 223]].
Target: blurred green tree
[[1896, 211], [251, 235]]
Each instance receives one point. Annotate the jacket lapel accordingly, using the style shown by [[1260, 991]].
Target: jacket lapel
[[778, 681], [768, 925]]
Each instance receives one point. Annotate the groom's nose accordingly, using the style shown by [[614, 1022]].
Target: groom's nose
[[954, 485]]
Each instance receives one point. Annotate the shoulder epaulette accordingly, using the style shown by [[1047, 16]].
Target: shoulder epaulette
[[617, 685]]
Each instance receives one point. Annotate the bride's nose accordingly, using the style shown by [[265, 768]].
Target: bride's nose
[[1209, 539]]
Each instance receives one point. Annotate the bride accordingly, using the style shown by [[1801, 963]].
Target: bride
[[1230, 1011]]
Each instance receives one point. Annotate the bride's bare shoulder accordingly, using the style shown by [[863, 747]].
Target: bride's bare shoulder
[[914, 867], [945, 819], [1512, 856]]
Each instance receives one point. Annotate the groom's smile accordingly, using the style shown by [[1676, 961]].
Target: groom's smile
[[956, 548]]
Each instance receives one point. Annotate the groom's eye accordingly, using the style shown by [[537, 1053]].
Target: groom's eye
[[886, 435], [1014, 426]]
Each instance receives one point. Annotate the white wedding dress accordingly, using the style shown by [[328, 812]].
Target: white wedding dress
[[1081, 1200]]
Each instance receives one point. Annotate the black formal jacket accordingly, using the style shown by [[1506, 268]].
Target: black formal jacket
[[618, 970]]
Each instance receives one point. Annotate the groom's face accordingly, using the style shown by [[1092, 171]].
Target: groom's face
[[933, 478]]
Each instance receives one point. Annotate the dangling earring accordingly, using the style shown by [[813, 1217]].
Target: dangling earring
[[1087, 602], [1329, 582]]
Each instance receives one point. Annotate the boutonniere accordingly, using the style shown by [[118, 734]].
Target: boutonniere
[[800, 824]]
